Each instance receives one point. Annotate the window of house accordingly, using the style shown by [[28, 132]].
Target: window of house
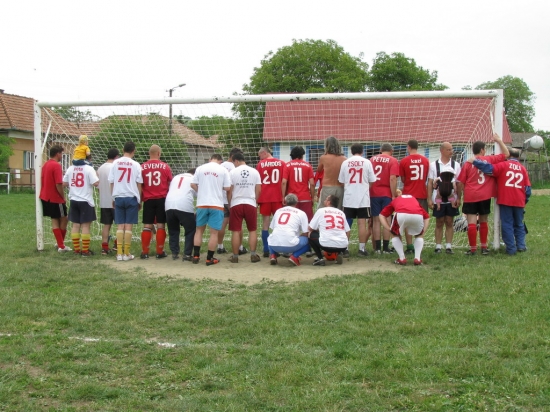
[[66, 161], [28, 160]]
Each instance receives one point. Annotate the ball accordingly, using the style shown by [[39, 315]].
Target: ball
[[536, 142], [330, 256]]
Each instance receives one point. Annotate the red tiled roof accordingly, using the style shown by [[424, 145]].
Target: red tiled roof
[[393, 120]]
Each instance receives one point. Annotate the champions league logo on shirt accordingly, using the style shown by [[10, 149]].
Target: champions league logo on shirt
[[245, 174]]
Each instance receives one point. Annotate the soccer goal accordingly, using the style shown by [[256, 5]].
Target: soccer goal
[[190, 130]]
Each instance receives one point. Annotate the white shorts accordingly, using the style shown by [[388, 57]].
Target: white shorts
[[413, 223]]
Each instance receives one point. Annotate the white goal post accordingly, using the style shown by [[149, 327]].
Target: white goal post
[[203, 126]]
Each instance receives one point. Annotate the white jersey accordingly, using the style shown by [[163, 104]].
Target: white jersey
[[105, 197], [243, 182], [356, 173], [80, 180], [443, 167], [332, 226], [180, 195], [229, 166], [125, 176], [211, 178], [287, 225]]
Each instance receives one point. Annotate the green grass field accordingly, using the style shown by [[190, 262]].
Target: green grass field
[[458, 334]]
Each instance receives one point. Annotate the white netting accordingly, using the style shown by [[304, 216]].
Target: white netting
[[199, 129]]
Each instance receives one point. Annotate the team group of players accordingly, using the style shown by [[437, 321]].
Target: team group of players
[[220, 193]]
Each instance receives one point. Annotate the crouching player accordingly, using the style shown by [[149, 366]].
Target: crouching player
[[409, 217]]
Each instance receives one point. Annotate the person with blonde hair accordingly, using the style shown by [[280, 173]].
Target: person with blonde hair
[[82, 153]]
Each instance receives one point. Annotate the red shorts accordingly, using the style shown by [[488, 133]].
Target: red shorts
[[269, 208], [242, 212]]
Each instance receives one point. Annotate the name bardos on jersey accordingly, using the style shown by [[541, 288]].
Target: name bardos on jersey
[[272, 164], [146, 166]]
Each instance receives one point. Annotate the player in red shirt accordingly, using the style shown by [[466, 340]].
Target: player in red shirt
[[410, 217], [298, 178], [513, 189], [271, 197], [382, 192], [413, 171], [157, 176], [52, 196], [478, 189]]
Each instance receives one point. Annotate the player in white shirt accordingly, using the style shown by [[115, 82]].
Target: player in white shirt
[[209, 181], [180, 211], [357, 175], [329, 231], [289, 231], [81, 181], [245, 190], [107, 211], [125, 179]]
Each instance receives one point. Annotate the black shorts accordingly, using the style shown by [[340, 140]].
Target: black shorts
[[477, 208], [153, 211], [357, 213], [54, 210], [106, 215], [446, 209], [81, 212]]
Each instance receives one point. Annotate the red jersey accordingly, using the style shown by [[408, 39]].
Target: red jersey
[[271, 172], [413, 170], [384, 167], [52, 175], [405, 204], [477, 185], [157, 176], [298, 174], [512, 178]]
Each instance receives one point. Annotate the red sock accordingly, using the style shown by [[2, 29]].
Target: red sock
[[472, 236], [145, 240], [105, 246], [58, 233], [64, 234], [161, 238], [483, 233]]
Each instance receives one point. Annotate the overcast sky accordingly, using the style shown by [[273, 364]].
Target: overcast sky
[[105, 50]]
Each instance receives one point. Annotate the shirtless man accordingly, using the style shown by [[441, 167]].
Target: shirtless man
[[330, 164]]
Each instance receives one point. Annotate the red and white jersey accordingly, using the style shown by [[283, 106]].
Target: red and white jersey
[[125, 176], [229, 166], [512, 178], [180, 194], [477, 185], [384, 167], [157, 176], [244, 180], [80, 180], [271, 173], [356, 173], [405, 204], [287, 225], [52, 175], [211, 179], [298, 174], [332, 226], [413, 170]]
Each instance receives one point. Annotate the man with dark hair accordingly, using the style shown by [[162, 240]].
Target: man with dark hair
[[107, 212], [478, 189], [513, 190], [126, 179], [329, 167], [299, 179], [52, 196]]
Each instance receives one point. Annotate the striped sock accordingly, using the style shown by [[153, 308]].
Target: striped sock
[[85, 242], [75, 237]]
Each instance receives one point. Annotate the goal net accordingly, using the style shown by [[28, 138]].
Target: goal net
[[189, 131]]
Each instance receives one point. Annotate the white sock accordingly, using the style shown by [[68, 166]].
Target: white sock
[[448, 246], [362, 246], [398, 246], [220, 246], [418, 246], [241, 247], [438, 246]]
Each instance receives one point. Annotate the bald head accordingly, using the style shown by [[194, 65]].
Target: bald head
[[446, 150], [154, 152]]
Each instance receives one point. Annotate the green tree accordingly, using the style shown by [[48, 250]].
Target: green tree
[[5, 150], [518, 102], [72, 114], [208, 126], [396, 72]]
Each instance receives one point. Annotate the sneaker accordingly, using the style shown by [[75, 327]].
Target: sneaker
[[234, 259], [76, 252], [438, 250], [411, 251], [309, 254], [221, 250], [114, 248], [365, 253], [418, 262], [266, 254], [87, 254], [128, 257], [378, 252], [144, 256], [522, 250], [64, 249], [345, 254], [162, 255], [294, 260], [210, 262], [175, 256], [119, 258], [470, 253], [388, 251], [340, 258], [243, 251], [255, 258], [273, 259], [401, 262], [319, 262], [449, 251], [484, 251], [195, 259], [187, 258], [105, 252]]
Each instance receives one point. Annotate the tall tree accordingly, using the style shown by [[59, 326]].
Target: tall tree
[[72, 114], [5, 150], [396, 72], [518, 102]]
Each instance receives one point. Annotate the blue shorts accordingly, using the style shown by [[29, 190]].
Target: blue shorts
[[210, 217], [377, 204], [126, 210]]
